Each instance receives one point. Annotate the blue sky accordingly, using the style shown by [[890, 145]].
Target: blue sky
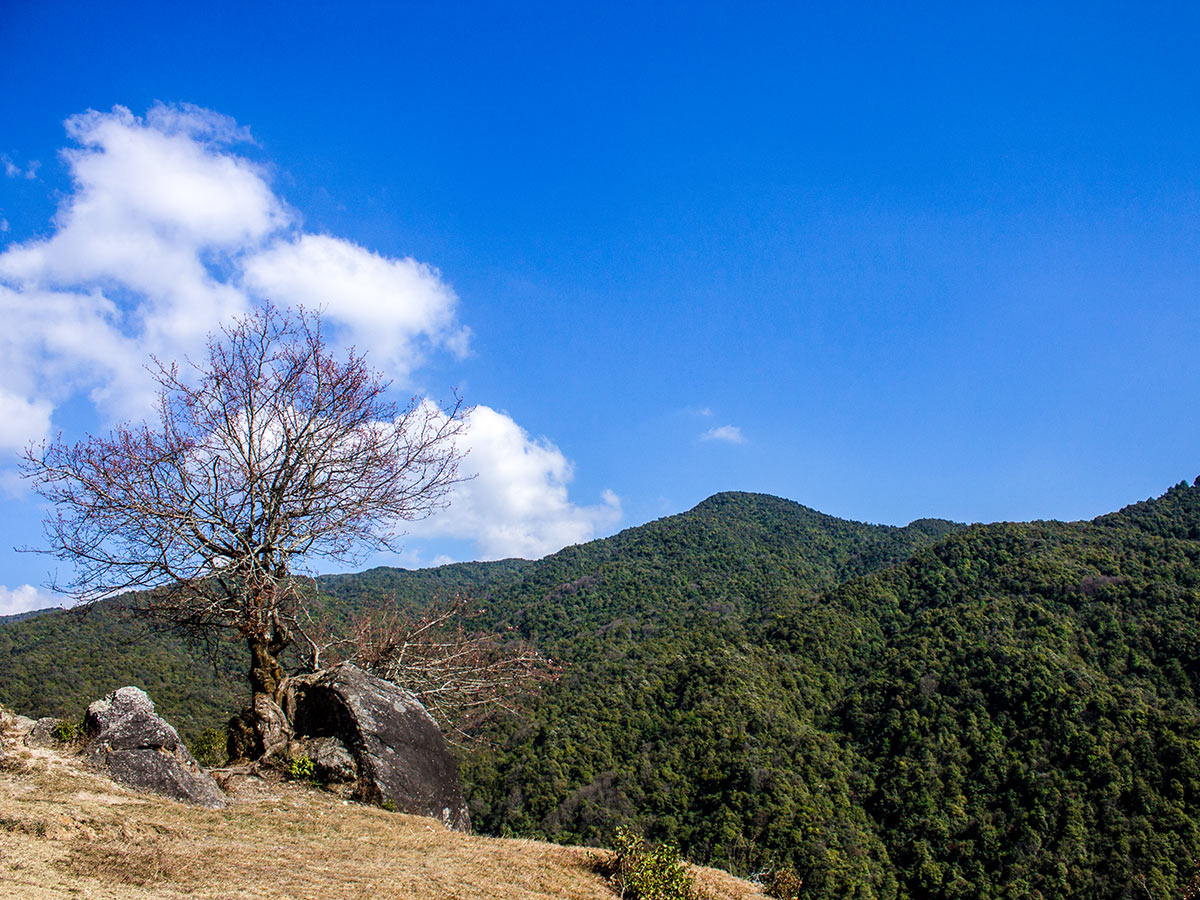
[[888, 263]]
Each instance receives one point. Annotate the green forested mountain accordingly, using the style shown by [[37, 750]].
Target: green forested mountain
[[1030, 722], [56, 662], [1007, 710], [53, 663]]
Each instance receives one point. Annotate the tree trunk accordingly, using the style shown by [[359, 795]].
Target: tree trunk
[[266, 674], [262, 730]]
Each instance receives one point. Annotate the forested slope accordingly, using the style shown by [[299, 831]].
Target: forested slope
[[1011, 711], [677, 711], [1031, 724], [1007, 710], [55, 662]]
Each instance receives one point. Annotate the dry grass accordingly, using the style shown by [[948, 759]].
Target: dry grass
[[67, 833]]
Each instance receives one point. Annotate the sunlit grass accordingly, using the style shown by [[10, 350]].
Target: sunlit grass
[[65, 832]]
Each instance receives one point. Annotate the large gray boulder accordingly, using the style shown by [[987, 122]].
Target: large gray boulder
[[136, 747], [400, 755]]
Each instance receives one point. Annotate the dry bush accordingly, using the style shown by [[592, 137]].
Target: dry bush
[[461, 674]]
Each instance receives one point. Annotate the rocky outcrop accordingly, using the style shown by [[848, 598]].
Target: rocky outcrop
[[12, 729], [398, 752], [137, 748], [332, 762], [42, 733]]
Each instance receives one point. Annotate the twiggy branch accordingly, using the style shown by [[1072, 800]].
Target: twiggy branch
[[461, 675]]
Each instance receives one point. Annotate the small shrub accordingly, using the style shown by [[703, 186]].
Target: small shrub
[[638, 870], [389, 804], [301, 768], [65, 731], [783, 883], [209, 747]]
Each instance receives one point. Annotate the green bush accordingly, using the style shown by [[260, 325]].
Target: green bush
[[301, 768], [642, 871], [209, 747], [66, 731]]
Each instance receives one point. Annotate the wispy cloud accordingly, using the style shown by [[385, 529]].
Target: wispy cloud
[[730, 434], [12, 170]]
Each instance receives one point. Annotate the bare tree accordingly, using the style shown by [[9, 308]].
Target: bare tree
[[270, 452], [461, 674]]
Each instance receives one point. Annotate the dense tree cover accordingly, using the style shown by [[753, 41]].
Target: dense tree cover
[[1006, 710], [55, 662], [683, 711], [1031, 725], [1010, 712]]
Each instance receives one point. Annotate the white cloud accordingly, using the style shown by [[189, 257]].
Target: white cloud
[[25, 598], [168, 232], [382, 302], [21, 417], [730, 434], [517, 503]]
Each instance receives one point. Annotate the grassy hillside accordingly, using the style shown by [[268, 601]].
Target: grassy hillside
[[66, 832]]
